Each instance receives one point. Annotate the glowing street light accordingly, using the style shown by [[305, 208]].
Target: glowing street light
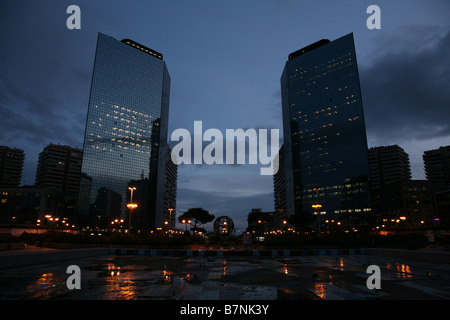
[[170, 215], [131, 189], [317, 206], [186, 222], [131, 206]]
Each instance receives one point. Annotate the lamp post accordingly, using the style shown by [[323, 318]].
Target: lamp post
[[131, 206], [186, 222], [170, 216], [317, 206]]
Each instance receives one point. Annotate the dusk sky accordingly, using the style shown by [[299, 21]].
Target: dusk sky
[[225, 59]]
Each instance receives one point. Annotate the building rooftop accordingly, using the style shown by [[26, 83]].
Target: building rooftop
[[143, 48], [306, 49]]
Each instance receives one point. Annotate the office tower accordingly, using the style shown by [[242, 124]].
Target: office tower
[[126, 132], [59, 169], [388, 164], [279, 189], [437, 167], [170, 191], [11, 165], [324, 131]]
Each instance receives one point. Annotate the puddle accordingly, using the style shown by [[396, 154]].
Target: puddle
[[403, 270], [44, 286], [110, 270]]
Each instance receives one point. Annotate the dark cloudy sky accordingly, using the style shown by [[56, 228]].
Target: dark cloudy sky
[[225, 59]]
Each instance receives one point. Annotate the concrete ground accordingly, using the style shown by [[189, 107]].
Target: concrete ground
[[231, 278]]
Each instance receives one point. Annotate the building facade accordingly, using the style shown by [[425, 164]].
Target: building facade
[[279, 189], [31, 206], [59, 168], [324, 131], [388, 164], [407, 204], [443, 207], [146, 195], [437, 167], [58, 171], [126, 132], [11, 166]]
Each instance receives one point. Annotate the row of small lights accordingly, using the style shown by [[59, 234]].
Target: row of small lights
[[49, 217], [143, 49]]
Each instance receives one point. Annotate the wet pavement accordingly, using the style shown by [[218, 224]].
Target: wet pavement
[[230, 278]]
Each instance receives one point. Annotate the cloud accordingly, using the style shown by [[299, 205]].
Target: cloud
[[36, 117], [406, 89]]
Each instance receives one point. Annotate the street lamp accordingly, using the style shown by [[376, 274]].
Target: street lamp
[[131, 206], [317, 206], [170, 215], [186, 223], [131, 189]]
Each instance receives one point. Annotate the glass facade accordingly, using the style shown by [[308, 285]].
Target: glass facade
[[324, 130], [126, 127]]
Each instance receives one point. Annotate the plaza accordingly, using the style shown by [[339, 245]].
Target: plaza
[[152, 275]]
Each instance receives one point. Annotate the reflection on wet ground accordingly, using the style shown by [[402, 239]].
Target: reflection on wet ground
[[403, 271], [231, 278]]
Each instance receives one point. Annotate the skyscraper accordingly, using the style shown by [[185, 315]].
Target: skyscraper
[[59, 169], [279, 189], [388, 164], [11, 166], [437, 167], [126, 132], [324, 131]]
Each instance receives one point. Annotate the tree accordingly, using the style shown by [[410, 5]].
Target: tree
[[197, 216], [257, 220]]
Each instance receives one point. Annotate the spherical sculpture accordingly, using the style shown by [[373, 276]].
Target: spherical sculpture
[[223, 226]]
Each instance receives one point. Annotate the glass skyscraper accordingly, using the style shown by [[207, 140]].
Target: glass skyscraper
[[125, 140], [324, 132]]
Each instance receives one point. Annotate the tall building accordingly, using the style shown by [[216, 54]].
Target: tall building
[[324, 131], [279, 189], [59, 169], [170, 191], [388, 164], [11, 166], [437, 167], [126, 132]]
